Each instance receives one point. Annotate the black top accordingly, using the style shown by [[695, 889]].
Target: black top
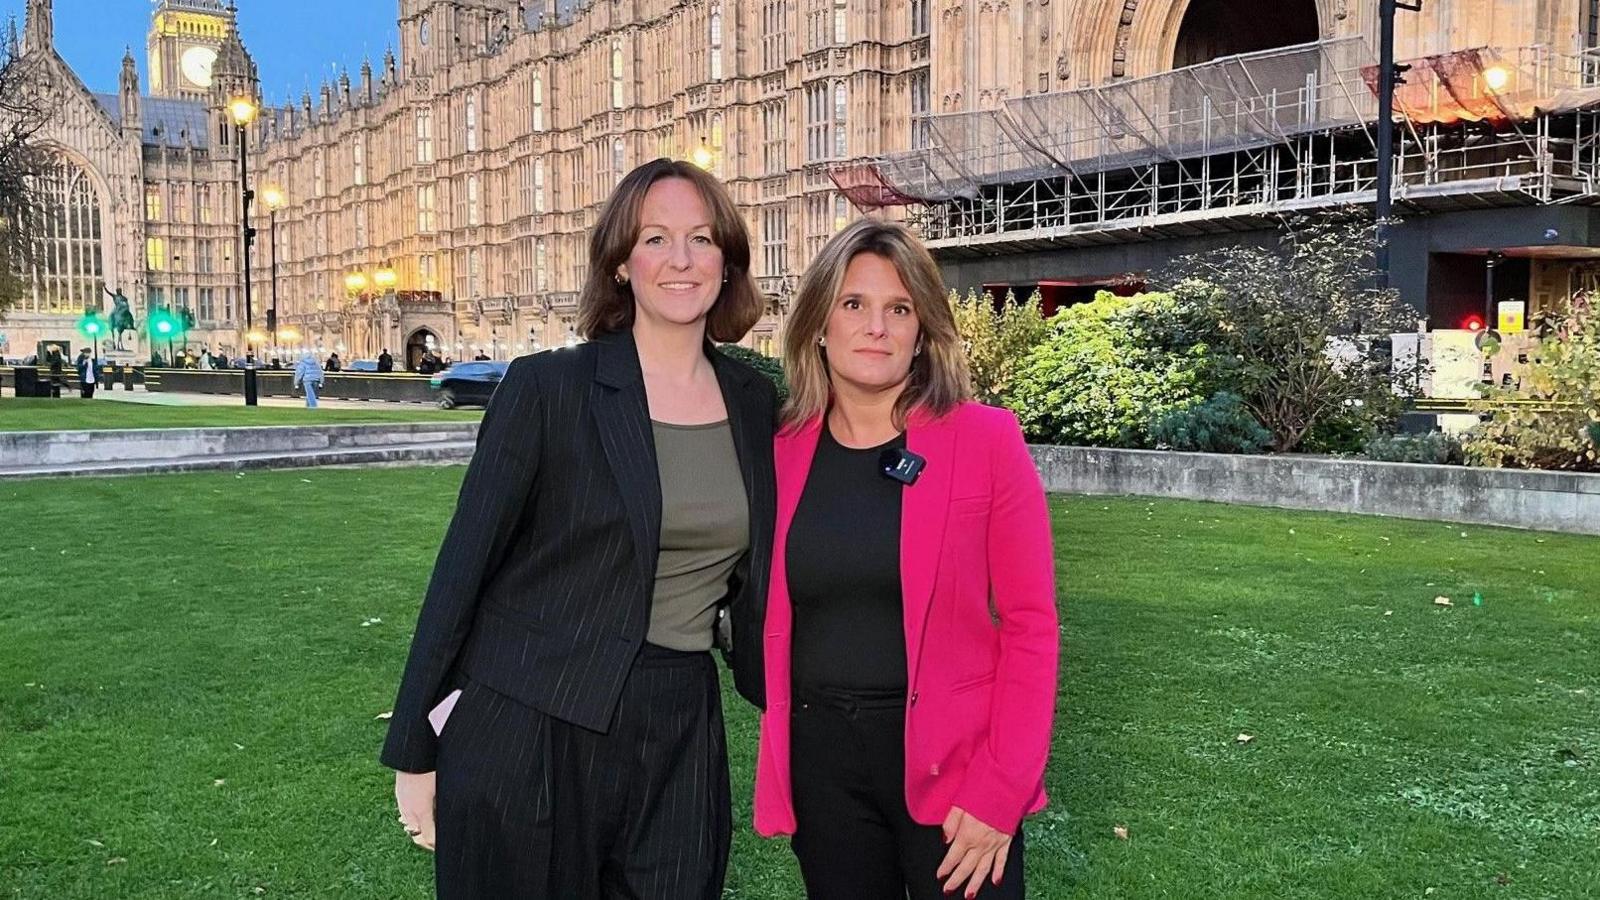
[[843, 562]]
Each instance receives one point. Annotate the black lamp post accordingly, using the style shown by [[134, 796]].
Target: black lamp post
[[243, 110], [1388, 76], [275, 200]]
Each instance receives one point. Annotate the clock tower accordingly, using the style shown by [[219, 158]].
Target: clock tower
[[185, 38]]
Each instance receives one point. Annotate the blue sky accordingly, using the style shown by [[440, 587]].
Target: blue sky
[[295, 42]]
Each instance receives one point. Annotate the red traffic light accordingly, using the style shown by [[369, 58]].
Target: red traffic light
[[1473, 323]]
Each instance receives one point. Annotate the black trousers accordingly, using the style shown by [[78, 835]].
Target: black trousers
[[855, 840], [533, 807], [86, 390]]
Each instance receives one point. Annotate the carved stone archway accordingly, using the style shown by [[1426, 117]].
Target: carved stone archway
[[1140, 37]]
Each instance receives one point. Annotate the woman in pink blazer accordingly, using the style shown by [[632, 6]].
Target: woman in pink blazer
[[911, 636]]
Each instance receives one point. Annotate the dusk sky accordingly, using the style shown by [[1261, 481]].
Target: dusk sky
[[295, 42]]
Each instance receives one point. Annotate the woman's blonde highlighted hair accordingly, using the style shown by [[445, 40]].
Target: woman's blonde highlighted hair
[[938, 381]]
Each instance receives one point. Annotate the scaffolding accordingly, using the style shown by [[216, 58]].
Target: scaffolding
[[1234, 143]]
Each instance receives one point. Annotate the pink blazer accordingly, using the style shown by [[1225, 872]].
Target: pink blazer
[[978, 579]]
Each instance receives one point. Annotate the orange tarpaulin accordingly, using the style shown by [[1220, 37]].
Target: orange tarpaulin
[[1457, 87]]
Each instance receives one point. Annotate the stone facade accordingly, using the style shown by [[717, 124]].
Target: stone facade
[[473, 162]]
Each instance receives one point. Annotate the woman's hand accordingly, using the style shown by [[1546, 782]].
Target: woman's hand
[[976, 852], [413, 793]]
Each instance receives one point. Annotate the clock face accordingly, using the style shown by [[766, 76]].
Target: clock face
[[196, 64]]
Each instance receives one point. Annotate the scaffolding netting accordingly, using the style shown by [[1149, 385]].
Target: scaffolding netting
[[1229, 104]]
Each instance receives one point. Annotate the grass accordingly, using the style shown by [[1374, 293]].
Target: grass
[[188, 698], [74, 414]]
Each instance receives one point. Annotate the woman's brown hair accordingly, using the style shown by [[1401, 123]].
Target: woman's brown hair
[[606, 306], [938, 380]]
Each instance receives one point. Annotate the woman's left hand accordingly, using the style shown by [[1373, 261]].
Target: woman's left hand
[[976, 852]]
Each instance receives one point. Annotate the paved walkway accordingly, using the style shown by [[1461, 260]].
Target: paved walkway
[[178, 398]]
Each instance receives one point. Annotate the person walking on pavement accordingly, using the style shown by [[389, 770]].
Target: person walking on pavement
[[87, 374], [308, 373], [385, 361]]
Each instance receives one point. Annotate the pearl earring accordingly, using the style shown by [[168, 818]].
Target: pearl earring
[[822, 341]]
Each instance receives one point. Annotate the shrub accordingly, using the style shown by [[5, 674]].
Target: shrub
[[1105, 371], [997, 338], [766, 365], [1562, 430], [1436, 448], [1221, 424]]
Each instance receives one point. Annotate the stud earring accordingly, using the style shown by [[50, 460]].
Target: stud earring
[[619, 279], [822, 341]]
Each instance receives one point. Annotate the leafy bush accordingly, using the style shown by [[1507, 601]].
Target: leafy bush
[[1437, 448], [996, 338], [766, 365], [1300, 334], [1562, 431], [1221, 424], [1105, 371]]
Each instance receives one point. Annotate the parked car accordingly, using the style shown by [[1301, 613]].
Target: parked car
[[361, 365], [468, 383]]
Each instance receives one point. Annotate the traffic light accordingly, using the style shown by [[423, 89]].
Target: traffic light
[[165, 325], [93, 326]]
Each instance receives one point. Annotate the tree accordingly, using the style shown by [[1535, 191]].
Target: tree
[[26, 105], [1562, 429], [997, 338], [1299, 332]]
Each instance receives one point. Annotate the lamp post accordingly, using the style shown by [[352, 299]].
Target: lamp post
[[243, 111], [385, 279], [1388, 76], [275, 200]]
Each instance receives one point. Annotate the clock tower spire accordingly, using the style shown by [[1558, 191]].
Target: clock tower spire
[[185, 38]]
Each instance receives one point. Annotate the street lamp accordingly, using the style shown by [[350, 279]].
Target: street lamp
[[355, 283], [275, 201], [702, 155], [1388, 76], [243, 111]]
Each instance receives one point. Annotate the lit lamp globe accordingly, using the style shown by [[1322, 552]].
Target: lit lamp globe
[[243, 110], [384, 278], [1496, 77], [273, 197], [355, 282], [701, 156]]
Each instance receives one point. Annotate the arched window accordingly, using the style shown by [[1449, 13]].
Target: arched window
[[538, 185], [472, 122], [618, 161], [716, 144], [472, 200], [67, 267]]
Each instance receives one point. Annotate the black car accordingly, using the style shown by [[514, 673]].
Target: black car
[[468, 383]]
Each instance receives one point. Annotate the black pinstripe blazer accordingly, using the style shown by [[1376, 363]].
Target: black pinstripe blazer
[[543, 585]]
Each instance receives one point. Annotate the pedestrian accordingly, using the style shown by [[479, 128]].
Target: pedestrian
[[308, 374], [911, 634], [481, 357], [621, 495], [53, 357], [385, 361], [205, 359], [88, 375], [334, 365]]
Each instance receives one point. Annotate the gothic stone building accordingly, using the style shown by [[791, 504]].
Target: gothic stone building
[[1034, 141]]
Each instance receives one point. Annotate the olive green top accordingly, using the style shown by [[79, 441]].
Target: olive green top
[[705, 528]]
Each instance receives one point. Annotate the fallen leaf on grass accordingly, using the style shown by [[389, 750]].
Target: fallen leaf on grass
[[1244, 738], [305, 481], [1121, 831], [95, 843], [116, 860], [213, 842], [1442, 601], [1389, 612], [238, 746], [385, 715]]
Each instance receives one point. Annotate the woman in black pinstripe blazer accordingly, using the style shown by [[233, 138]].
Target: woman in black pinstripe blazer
[[558, 731]]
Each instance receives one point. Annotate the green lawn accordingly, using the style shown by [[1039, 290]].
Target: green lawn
[[74, 414], [188, 703]]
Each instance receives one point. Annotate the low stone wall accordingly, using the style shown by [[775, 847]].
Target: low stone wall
[[64, 448], [1549, 501]]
